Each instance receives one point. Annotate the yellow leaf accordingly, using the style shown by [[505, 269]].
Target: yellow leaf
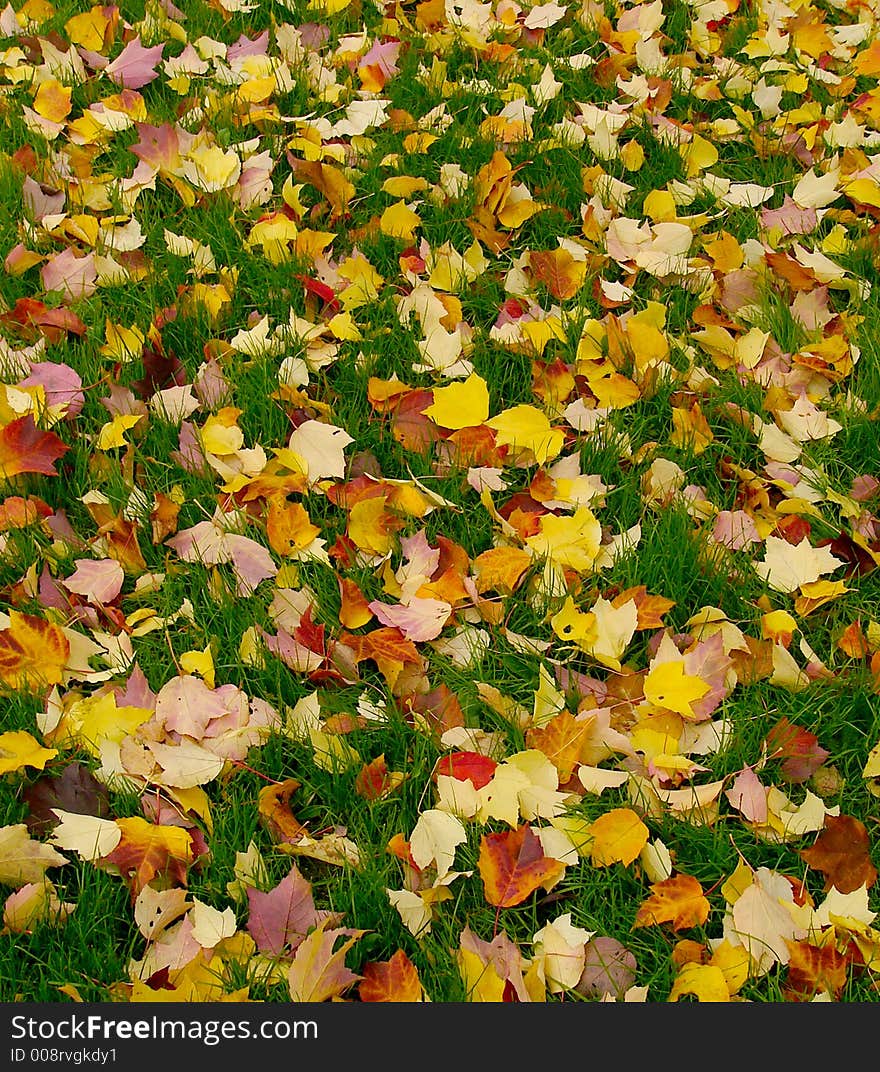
[[698, 155], [734, 962], [570, 541], [404, 185], [367, 525], [201, 663], [19, 749], [705, 982], [526, 428], [481, 981], [273, 233], [568, 623], [96, 719], [618, 837], [33, 652], [460, 405], [123, 344], [87, 30], [220, 434], [52, 101], [399, 221], [668, 687]]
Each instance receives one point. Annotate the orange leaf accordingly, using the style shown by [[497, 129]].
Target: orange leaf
[[387, 647], [649, 609], [842, 852], [147, 851], [396, 979], [354, 611], [561, 741], [678, 900], [375, 780], [812, 969], [33, 652], [288, 526], [328, 180], [501, 568], [512, 865], [273, 807], [560, 273], [618, 837], [25, 449]]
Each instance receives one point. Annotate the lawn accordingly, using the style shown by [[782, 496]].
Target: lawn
[[439, 501]]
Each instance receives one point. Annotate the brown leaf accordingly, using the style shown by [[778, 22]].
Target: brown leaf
[[842, 852], [74, 789], [512, 865], [560, 273]]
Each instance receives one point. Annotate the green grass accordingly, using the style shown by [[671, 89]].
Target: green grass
[[414, 713]]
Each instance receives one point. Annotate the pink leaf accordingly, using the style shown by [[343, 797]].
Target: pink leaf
[[99, 582], [76, 277], [420, 619], [280, 919], [61, 383], [749, 796], [735, 529], [135, 65], [251, 561], [186, 705]]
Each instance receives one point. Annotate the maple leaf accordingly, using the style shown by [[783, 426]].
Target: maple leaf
[[799, 750], [467, 766], [374, 781], [434, 840], [19, 749], [33, 652], [705, 982], [279, 919], [495, 971], [842, 852], [678, 900], [500, 569], [560, 273], [87, 835], [318, 971], [396, 979], [460, 405], [815, 969], [561, 740], [273, 808], [135, 66], [148, 851], [74, 789], [786, 566], [609, 968], [512, 866], [24, 448], [35, 902]]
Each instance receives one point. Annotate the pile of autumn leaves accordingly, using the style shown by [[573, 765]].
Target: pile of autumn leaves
[[646, 732]]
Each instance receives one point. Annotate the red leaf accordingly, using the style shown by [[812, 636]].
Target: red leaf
[[26, 449], [799, 749], [468, 766]]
